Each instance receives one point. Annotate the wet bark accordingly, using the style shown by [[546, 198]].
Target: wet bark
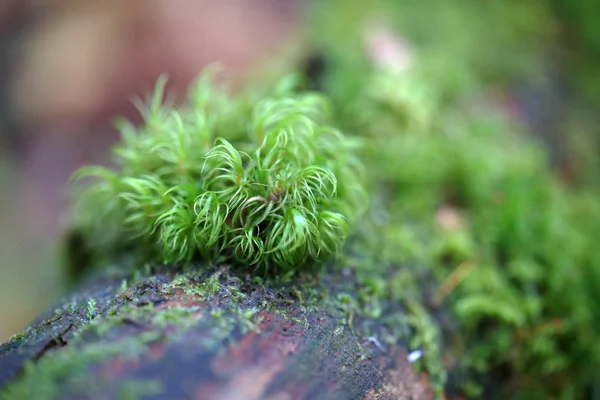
[[215, 334]]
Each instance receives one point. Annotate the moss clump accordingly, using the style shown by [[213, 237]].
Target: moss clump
[[262, 182]]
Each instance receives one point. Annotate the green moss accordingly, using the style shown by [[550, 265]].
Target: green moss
[[265, 182], [515, 268], [210, 302], [70, 368], [91, 309]]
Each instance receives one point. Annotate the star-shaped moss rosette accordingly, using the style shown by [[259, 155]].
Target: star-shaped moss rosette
[[265, 183]]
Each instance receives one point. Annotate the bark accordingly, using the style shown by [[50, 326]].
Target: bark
[[213, 334]]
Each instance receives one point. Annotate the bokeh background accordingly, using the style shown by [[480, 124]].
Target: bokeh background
[[68, 67]]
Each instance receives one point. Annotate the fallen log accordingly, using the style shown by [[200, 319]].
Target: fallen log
[[208, 333]]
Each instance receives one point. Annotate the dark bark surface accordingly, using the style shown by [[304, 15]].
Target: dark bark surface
[[216, 334]]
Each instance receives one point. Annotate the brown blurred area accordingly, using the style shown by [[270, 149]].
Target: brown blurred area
[[67, 67]]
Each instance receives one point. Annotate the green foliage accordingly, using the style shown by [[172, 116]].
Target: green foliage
[[264, 182], [518, 268]]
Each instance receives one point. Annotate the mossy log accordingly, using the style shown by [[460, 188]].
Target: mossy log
[[213, 333]]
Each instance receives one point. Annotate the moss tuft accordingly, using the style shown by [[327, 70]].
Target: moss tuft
[[269, 184]]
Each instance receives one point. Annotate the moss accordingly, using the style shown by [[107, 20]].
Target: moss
[[97, 338], [70, 369], [513, 268], [91, 309], [267, 183]]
